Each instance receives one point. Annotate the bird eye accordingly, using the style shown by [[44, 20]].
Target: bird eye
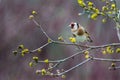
[[72, 25]]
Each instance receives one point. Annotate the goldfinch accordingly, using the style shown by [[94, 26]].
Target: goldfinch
[[79, 32]]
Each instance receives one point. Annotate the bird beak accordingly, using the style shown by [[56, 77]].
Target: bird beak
[[69, 25]]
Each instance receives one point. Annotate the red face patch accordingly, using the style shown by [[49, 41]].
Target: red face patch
[[72, 25]]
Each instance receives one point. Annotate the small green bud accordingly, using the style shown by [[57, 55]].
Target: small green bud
[[31, 64], [35, 59], [15, 52], [21, 46], [39, 50]]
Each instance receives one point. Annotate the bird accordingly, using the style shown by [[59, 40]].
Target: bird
[[79, 32]]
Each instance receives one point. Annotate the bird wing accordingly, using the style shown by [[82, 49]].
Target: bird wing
[[86, 33], [88, 36], [74, 35]]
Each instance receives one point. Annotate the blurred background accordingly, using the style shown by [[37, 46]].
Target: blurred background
[[54, 16]]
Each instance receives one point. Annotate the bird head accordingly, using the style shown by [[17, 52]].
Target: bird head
[[74, 26], [77, 28]]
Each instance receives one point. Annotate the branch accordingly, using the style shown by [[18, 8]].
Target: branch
[[109, 60], [85, 61], [75, 44], [102, 46], [41, 28], [117, 67], [32, 51]]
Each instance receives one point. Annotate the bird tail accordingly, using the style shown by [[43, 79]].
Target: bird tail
[[89, 39]]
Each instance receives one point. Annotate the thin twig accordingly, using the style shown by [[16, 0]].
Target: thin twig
[[102, 46], [109, 60], [75, 44], [117, 67], [114, 68], [40, 47], [85, 61], [55, 65], [41, 28]]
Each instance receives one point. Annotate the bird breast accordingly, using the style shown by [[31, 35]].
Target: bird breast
[[81, 38], [80, 32]]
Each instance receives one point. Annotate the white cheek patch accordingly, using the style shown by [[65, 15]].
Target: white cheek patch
[[75, 27]]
